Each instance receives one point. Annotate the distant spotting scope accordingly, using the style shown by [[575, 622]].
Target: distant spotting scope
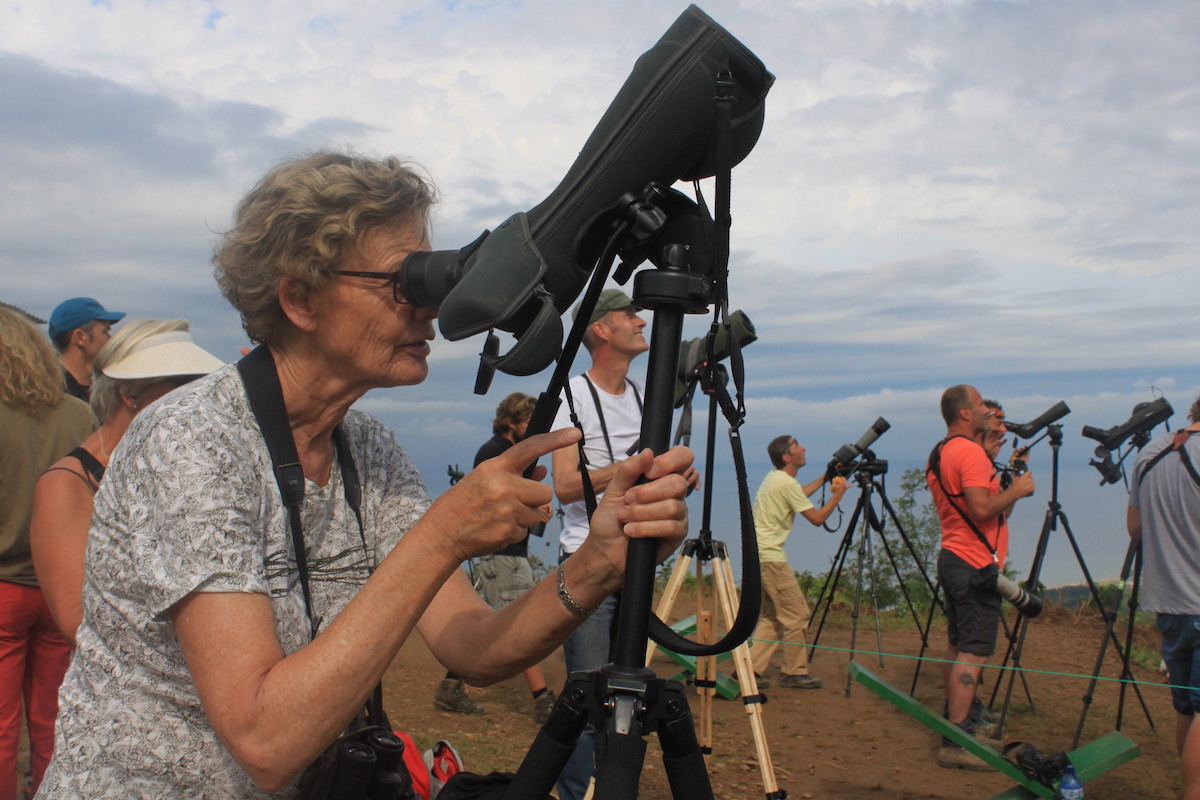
[[1027, 430], [844, 458], [692, 353], [1144, 417], [661, 127]]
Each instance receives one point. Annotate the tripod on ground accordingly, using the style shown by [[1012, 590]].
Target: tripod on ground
[[1132, 566], [1131, 574], [1054, 515], [864, 476], [705, 550]]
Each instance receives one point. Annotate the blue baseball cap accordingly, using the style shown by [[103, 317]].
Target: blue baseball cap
[[79, 311]]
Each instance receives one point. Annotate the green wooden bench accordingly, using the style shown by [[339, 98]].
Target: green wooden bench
[[1091, 760]]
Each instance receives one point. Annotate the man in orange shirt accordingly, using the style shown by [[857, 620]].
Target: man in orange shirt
[[973, 512]]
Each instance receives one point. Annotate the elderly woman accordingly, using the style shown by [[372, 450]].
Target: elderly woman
[[200, 671], [143, 361], [39, 423]]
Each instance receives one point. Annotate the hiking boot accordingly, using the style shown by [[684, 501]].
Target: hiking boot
[[452, 696], [799, 682], [986, 721], [978, 733], [981, 713], [542, 704], [951, 756]]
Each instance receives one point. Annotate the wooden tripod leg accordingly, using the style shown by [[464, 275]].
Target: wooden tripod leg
[[726, 594], [706, 680], [667, 601]]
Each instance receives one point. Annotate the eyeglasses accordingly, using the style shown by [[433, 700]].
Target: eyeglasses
[[391, 277]]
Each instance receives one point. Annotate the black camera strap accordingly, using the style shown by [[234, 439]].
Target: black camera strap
[[265, 395], [612, 459], [935, 466], [589, 491]]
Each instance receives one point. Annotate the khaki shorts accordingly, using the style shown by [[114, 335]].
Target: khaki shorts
[[505, 578]]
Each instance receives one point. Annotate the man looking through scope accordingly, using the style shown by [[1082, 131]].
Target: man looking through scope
[[785, 612], [994, 442], [973, 512], [1164, 509]]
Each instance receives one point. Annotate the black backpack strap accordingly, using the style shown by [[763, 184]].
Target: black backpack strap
[[1177, 445], [934, 465]]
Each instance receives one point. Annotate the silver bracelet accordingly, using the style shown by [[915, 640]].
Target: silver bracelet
[[569, 602]]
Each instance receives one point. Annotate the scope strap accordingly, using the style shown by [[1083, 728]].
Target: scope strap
[[935, 466], [751, 596], [1177, 446]]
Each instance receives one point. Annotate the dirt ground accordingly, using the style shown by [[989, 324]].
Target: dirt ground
[[825, 744]]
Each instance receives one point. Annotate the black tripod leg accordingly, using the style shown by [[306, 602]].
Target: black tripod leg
[[1109, 632], [835, 574], [1126, 674], [682, 756], [933, 605], [1110, 621], [555, 742], [619, 760]]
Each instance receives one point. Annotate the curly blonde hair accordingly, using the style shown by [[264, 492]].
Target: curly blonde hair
[[302, 219], [31, 377]]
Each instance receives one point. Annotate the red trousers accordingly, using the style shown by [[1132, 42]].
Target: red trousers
[[33, 661]]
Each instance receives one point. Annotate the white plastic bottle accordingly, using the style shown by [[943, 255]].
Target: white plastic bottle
[[1070, 788]]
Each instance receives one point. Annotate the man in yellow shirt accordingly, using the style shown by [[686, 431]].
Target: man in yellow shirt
[[785, 612]]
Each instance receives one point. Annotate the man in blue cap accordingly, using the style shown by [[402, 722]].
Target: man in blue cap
[[79, 327]]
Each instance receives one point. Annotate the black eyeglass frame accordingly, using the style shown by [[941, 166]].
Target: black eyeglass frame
[[391, 277]]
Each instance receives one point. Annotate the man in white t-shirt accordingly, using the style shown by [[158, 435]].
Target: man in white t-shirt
[[609, 406]]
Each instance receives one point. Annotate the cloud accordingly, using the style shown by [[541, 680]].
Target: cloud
[[944, 191]]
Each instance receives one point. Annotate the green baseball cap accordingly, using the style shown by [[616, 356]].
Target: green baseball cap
[[609, 300]]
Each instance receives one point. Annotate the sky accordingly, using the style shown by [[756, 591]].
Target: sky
[[945, 191]]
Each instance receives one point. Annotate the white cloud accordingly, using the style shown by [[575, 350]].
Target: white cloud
[[944, 191]]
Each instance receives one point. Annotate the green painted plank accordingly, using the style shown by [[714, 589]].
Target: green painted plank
[[943, 726], [1091, 760]]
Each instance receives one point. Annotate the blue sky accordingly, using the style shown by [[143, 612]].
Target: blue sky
[[1000, 193]]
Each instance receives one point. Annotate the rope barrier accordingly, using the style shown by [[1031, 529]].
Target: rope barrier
[[929, 659]]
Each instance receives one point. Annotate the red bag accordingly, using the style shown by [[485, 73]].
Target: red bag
[[443, 763]]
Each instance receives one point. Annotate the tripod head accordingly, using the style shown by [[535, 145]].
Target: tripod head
[[1136, 430], [851, 457]]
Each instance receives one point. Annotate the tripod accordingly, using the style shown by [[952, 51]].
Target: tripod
[[625, 700], [704, 549], [864, 476], [1054, 515], [1132, 563]]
